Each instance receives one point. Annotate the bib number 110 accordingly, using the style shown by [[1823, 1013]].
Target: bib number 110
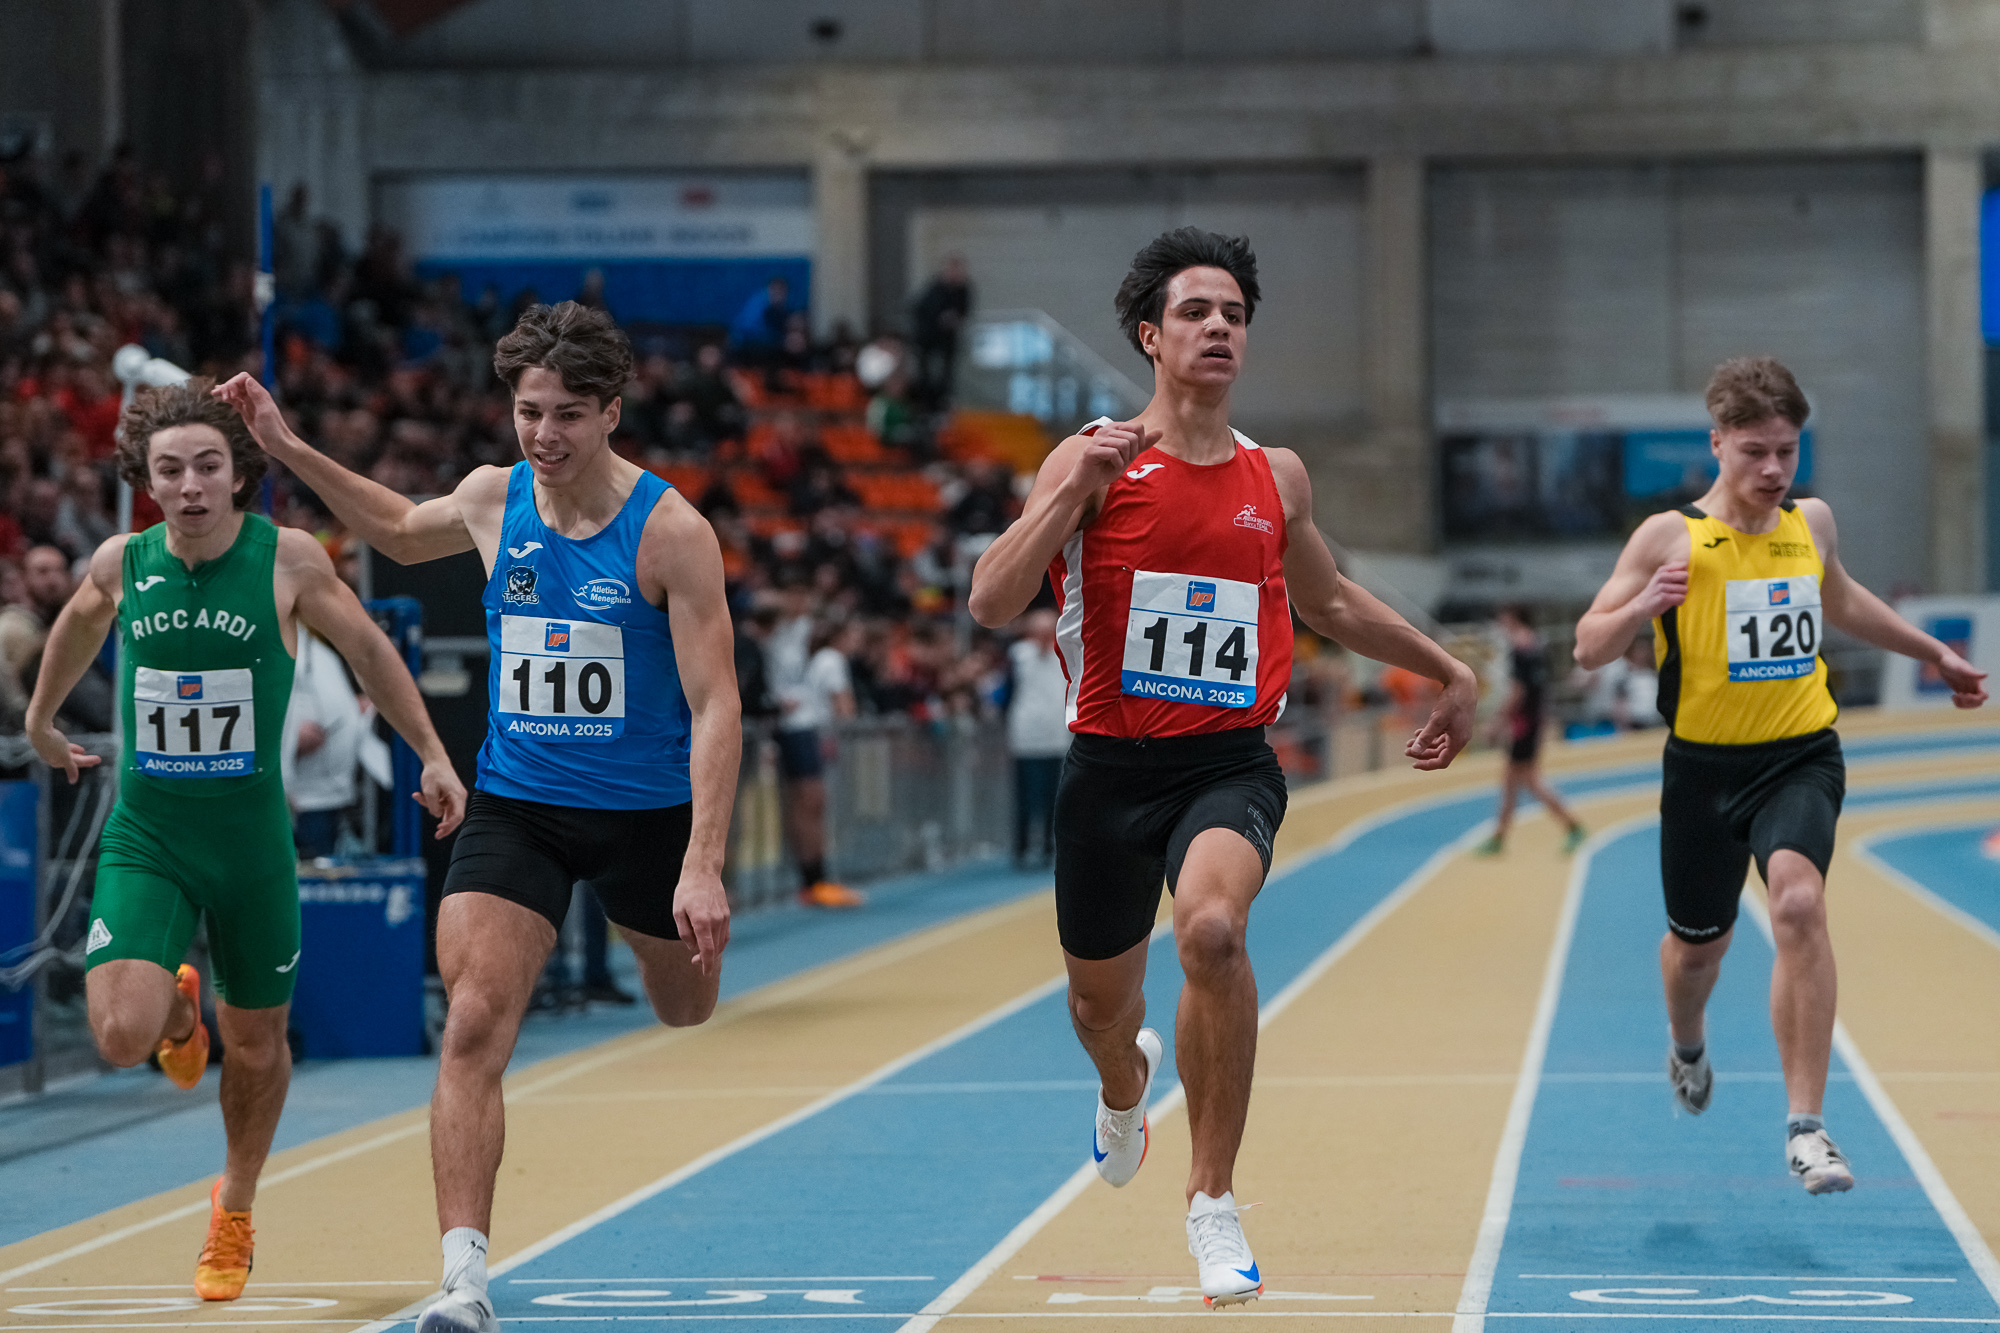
[[593, 686]]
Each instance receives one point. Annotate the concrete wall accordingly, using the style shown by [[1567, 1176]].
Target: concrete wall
[[53, 71], [1566, 281], [918, 110]]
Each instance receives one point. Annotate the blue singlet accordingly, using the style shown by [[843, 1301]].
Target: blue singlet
[[586, 702]]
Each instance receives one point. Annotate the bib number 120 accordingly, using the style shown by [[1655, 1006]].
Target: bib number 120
[[1773, 627]]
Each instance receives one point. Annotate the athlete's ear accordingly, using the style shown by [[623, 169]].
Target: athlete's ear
[[612, 410], [1715, 441]]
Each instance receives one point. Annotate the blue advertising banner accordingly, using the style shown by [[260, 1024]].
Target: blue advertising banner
[[17, 914]]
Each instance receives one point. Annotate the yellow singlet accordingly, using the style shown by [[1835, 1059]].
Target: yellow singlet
[[1739, 660]]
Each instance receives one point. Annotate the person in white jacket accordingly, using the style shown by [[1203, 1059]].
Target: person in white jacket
[[324, 729]]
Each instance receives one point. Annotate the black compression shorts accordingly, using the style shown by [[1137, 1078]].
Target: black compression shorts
[[1720, 805], [1126, 812], [532, 854]]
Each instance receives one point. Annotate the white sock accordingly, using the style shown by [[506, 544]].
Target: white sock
[[465, 1261]]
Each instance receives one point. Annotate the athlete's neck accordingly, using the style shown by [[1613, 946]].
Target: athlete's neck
[[584, 505], [193, 550], [1193, 422], [1725, 506]]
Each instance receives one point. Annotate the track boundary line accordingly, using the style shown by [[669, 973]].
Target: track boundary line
[[969, 1281], [1470, 1317], [1978, 1255], [1864, 851]]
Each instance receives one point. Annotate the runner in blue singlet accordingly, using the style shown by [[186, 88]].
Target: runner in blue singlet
[[613, 737]]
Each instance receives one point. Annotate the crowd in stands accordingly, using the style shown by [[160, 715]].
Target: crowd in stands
[[855, 497]]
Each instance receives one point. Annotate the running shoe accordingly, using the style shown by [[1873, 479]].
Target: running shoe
[[224, 1265], [183, 1061], [1693, 1080], [1818, 1163], [1574, 838], [1118, 1139], [460, 1312], [1215, 1238], [828, 894]]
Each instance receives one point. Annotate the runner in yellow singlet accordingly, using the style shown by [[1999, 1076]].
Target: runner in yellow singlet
[[1741, 587]]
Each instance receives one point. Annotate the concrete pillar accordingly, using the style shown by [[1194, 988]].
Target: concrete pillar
[[1956, 362], [1398, 448], [840, 245]]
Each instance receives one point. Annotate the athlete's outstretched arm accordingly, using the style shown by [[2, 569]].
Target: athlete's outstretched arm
[[1341, 609], [1851, 607], [73, 641], [330, 607], [680, 556], [1651, 576], [399, 528], [1009, 573]]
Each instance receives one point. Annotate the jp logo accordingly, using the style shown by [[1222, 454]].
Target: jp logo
[[520, 586]]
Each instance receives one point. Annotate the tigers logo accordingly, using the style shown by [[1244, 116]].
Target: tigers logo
[[520, 588]]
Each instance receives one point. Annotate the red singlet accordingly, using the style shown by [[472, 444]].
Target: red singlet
[[1174, 619]]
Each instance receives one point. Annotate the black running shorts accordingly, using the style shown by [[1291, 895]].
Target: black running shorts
[[1720, 805], [1127, 810], [532, 854]]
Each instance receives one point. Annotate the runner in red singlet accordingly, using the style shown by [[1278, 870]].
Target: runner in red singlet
[[1178, 549]]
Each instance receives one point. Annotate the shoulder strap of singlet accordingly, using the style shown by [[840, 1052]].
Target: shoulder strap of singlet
[[1692, 512], [1090, 427], [1788, 505]]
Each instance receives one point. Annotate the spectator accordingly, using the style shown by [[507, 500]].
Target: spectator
[[758, 330], [1037, 732], [321, 747], [24, 626], [938, 315], [1519, 725], [810, 678]]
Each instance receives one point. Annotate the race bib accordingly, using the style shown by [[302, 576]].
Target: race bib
[[561, 680], [194, 724], [1191, 640], [1773, 627]]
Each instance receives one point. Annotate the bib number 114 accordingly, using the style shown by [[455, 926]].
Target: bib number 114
[[1190, 639]]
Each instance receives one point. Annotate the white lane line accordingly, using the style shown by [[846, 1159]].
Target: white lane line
[[1478, 1288], [199, 1207], [737, 1145], [1712, 1277], [1864, 850], [1010, 1244], [1978, 1255], [264, 1288], [586, 1281]]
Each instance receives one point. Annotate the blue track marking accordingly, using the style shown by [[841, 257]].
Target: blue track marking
[[1950, 865], [82, 1177], [924, 1173], [1624, 1207]]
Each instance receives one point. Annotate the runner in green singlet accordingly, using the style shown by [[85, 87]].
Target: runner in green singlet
[[208, 606]]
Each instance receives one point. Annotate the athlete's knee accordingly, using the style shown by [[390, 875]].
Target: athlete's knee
[[1797, 907], [1693, 959], [1099, 1010], [1210, 942], [120, 1040], [478, 1028], [680, 1007], [259, 1050]]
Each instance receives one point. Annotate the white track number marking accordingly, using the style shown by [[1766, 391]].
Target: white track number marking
[[1191, 639], [561, 680], [194, 724], [1773, 627]]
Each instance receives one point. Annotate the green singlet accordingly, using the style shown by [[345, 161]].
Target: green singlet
[[202, 827]]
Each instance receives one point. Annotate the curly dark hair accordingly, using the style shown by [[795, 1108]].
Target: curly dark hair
[[191, 404], [577, 342], [1142, 297], [1747, 390]]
